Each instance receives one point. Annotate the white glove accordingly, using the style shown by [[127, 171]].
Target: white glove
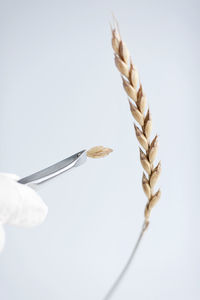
[[20, 205]]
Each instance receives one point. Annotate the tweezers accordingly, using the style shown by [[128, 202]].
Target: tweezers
[[62, 166]]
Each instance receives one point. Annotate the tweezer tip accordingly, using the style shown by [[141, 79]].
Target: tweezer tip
[[81, 158]]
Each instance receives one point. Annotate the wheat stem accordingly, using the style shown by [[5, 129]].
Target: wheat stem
[[124, 271]]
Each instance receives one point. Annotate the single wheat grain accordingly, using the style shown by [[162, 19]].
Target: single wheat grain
[[98, 152]]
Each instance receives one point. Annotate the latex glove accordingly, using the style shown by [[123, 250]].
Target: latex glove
[[20, 205]]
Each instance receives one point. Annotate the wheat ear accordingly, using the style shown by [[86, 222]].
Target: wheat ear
[[142, 116], [148, 149]]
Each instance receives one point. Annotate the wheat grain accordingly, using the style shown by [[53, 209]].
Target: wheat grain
[[98, 152], [137, 102]]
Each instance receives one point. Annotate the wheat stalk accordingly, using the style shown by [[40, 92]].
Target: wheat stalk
[[137, 102], [148, 149]]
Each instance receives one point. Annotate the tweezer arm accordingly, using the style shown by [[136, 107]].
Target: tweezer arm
[[56, 169]]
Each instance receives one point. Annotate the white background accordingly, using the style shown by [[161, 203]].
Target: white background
[[60, 93]]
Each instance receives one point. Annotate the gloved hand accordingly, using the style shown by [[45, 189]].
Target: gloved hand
[[20, 205]]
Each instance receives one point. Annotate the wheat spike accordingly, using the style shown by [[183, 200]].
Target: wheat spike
[[137, 102]]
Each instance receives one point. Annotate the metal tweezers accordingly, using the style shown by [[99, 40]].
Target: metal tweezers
[[62, 166]]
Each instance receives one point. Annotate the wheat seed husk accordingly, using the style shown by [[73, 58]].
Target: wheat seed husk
[[123, 52], [155, 198], [145, 163], [141, 100], [122, 66], [132, 93], [153, 149], [142, 104], [141, 138], [136, 114], [133, 76], [147, 125], [146, 186], [115, 41], [155, 175]]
